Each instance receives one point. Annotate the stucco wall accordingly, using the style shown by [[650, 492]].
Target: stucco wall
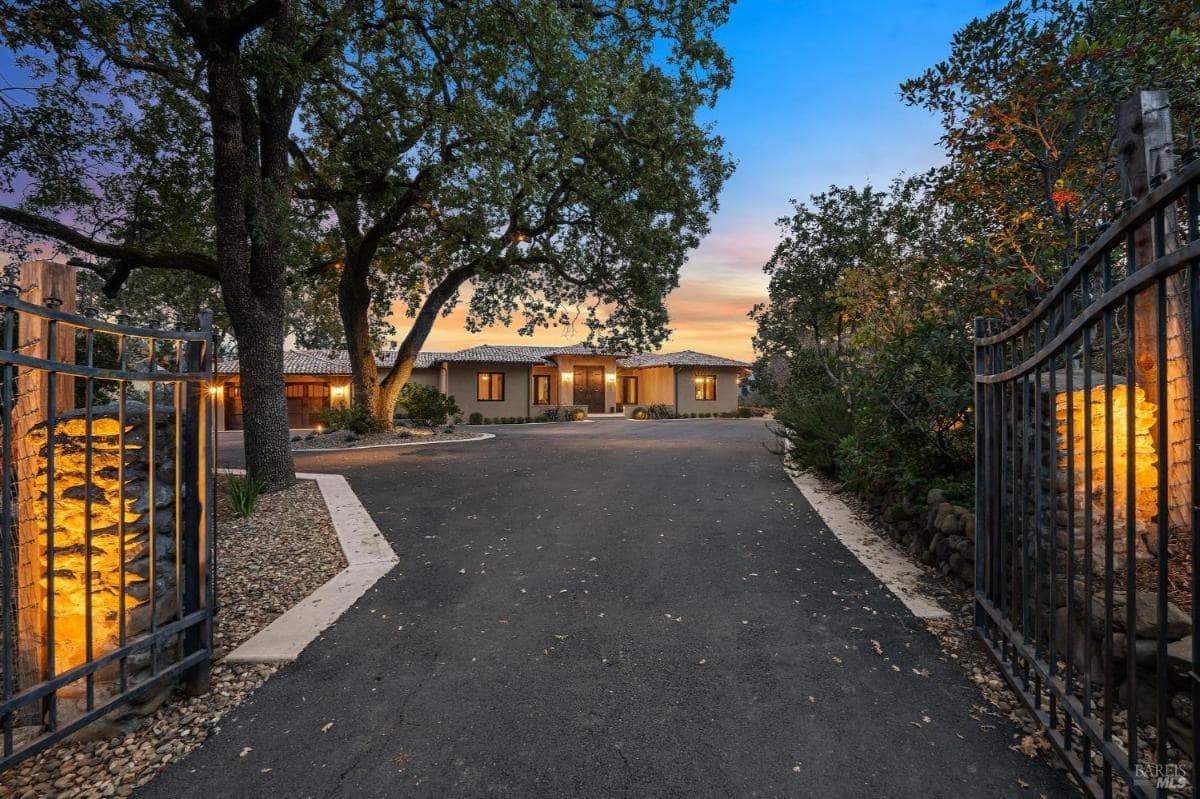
[[426, 377], [462, 386], [727, 390], [656, 385]]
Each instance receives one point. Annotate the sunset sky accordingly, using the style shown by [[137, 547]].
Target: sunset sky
[[815, 101]]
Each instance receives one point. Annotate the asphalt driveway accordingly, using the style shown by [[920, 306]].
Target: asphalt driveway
[[609, 609]]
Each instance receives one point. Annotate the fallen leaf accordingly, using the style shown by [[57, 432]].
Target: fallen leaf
[[326, 727]]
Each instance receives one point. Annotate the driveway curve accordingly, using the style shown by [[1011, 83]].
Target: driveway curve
[[610, 609]]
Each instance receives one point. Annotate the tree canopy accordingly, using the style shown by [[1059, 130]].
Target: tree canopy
[[545, 154], [872, 293]]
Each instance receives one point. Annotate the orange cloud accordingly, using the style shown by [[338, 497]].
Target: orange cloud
[[708, 314]]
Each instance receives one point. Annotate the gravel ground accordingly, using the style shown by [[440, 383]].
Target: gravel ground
[[266, 563], [343, 439]]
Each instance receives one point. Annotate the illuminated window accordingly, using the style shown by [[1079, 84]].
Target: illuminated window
[[541, 389], [629, 391], [706, 387], [489, 386]]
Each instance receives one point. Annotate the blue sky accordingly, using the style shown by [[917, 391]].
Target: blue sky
[[815, 100]]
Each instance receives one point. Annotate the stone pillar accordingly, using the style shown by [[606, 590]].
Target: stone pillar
[[122, 489]]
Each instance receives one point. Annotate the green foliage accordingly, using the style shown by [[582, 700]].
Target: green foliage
[[243, 492], [660, 411], [744, 412], [872, 292], [352, 418], [475, 418], [426, 405]]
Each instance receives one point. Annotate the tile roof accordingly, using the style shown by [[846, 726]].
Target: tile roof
[[337, 362], [491, 353], [684, 358], [332, 362]]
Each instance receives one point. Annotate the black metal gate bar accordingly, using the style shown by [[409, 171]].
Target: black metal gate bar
[[177, 645], [1193, 276], [1031, 480]]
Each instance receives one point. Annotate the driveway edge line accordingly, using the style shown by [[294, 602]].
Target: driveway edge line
[[897, 573], [480, 437], [368, 558]]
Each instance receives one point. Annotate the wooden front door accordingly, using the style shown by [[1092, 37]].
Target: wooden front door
[[305, 402], [589, 387]]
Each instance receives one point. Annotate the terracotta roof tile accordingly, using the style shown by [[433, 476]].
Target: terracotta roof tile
[[337, 362]]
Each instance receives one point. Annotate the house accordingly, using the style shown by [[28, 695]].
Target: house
[[508, 381]]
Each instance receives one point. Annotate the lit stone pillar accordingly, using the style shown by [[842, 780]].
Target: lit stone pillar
[[117, 494]]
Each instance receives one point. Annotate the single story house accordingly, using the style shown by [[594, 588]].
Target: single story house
[[502, 381]]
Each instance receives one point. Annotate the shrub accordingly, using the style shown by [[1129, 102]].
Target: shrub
[[475, 418], [815, 415], [578, 415], [243, 491], [744, 412], [354, 419], [426, 405], [660, 411], [639, 414], [487, 420]]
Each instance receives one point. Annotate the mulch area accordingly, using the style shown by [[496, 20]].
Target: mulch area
[[1179, 572], [265, 564], [344, 439]]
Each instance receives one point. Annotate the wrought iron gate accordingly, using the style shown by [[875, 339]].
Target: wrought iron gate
[[1087, 503], [106, 523]]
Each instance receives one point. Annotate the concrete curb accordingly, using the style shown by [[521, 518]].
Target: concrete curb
[[368, 558], [899, 574], [480, 437]]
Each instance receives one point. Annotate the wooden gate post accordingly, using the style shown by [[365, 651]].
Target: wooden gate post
[[1145, 149], [38, 281]]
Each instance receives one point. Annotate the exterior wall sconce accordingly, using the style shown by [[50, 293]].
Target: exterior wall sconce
[[610, 377]]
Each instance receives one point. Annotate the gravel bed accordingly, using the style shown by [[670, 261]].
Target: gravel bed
[[343, 439], [265, 564]]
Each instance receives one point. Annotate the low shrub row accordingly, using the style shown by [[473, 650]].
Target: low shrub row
[[666, 412], [551, 415]]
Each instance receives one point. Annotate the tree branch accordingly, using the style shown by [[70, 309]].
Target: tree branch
[[196, 262]]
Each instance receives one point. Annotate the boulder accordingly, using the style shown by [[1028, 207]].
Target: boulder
[[1178, 624], [948, 521]]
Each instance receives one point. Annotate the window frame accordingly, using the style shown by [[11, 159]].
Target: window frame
[[625, 382], [549, 390], [491, 383], [703, 383]]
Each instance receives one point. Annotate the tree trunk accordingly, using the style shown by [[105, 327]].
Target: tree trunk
[[354, 306], [406, 357], [249, 253], [260, 337]]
